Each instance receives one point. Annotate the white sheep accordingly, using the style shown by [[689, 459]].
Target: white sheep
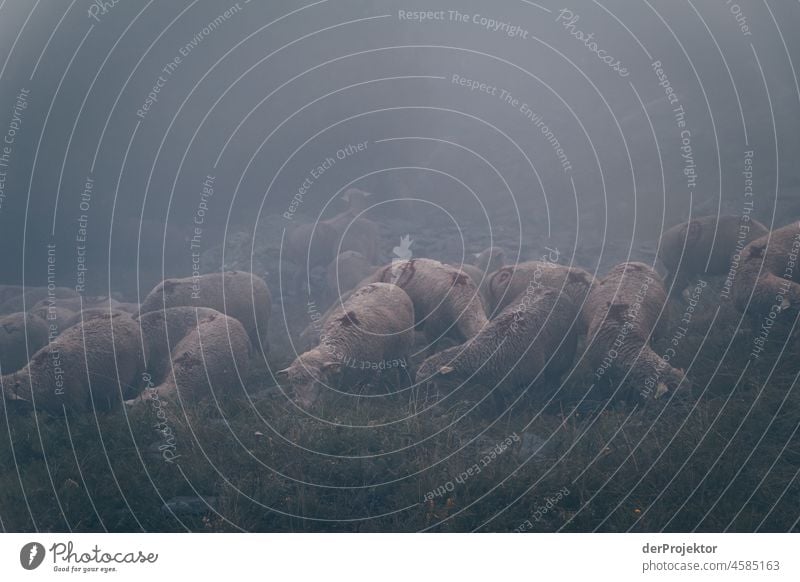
[[372, 331], [768, 279], [531, 340], [93, 365], [238, 294], [623, 313], [513, 281], [207, 363], [704, 245]]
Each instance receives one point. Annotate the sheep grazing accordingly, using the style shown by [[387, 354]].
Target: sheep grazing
[[89, 366], [345, 273], [769, 275], [372, 331], [622, 313], [21, 335], [706, 245], [162, 330], [508, 283], [532, 339], [208, 362], [238, 294], [446, 301]]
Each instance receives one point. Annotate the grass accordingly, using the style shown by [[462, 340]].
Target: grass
[[724, 458]]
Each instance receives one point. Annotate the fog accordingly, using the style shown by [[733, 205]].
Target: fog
[[265, 95], [562, 238]]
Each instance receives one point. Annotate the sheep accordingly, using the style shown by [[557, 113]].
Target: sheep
[[534, 338], [312, 245], [345, 273], [162, 330], [704, 245], [65, 312], [238, 294], [61, 314], [88, 366], [357, 200], [32, 295], [55, 314], [316, 244], [486, 262], [21, 335], [208, 362], [508, 283], [480, 278], [768, 279], [77, 303], [373, 330], [622, 312], [126, 306], [91, 313], [446, 301], [356, 232]]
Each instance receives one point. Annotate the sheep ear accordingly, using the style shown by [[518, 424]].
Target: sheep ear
[[332, 366], [282, 374], [444, 370]]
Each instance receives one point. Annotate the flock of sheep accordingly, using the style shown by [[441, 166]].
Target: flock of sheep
[[495, 325]]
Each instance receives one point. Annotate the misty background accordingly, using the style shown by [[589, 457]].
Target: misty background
[[276, 88]]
